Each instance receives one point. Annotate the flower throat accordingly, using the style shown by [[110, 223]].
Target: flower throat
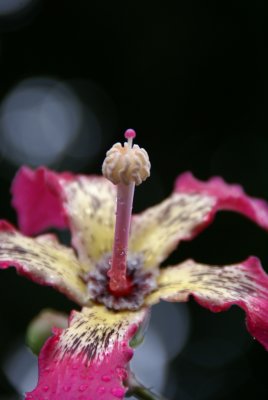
[[125, 166]]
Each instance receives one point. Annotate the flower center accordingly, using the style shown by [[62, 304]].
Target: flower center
[[125, 166], [141, 283]]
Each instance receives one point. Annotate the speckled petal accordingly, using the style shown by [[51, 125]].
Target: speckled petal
[[192, 206], [156, 232], [43, 260], [89, 360], [228, 197], [85, 204], [90, 204], [217, 288]]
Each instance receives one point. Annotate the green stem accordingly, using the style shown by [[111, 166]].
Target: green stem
[[142, 393], [139, 391]]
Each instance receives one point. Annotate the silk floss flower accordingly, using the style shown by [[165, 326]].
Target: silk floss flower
[[113, 271]]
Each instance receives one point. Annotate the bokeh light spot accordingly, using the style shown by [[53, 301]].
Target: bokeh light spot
[[39, 119], [10, 7]]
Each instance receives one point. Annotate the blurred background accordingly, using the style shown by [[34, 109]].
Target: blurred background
[[191, 78]]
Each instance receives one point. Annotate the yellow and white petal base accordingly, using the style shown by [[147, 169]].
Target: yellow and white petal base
[[89, 360], [217, 288], [43, 260]]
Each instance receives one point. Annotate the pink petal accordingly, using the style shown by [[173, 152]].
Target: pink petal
[[227, 196], [218, 288], [85, 204], [89, 360], [36, 197]]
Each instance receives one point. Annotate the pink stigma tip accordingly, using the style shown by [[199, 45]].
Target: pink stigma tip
[[130, 134]]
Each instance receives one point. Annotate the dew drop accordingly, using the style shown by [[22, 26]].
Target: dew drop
[[118, 392], [101, 390], [67, 388], [47, 369], [45, 388], [106, 378], [121, 372], [82, 388]]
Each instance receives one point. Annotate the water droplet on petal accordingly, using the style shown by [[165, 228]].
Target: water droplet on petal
[[118, 392], [45, 388], [82, 388], [121, 372], [101, 390], [67, 388], [106, 378]]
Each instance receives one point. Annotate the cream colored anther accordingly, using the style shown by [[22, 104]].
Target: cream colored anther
[[126, 164]]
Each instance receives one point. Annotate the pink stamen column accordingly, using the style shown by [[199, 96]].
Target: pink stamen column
[[125, 167]]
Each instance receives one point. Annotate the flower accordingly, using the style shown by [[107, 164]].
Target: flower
[[89, 359]]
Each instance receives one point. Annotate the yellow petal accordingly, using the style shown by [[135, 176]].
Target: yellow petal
[[217, 288], [45, 261], [90, 204], [214, 285], [156, 232]]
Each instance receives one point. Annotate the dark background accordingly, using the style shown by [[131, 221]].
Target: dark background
[[191, 78]]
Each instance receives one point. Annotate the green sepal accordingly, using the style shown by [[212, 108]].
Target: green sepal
[[40, 328]]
